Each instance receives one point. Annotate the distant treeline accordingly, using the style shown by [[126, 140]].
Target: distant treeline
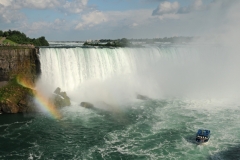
[[180, 39], [128, 42], [111, 43], [21, 38]]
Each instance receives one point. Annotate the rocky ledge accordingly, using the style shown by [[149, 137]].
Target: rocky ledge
[[60, 99], [15, 98]]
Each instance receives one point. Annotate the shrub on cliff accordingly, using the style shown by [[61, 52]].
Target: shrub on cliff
[[21, 38]]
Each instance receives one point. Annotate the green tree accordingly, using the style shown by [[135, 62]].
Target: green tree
[[1, 33], [21, 38], [124, 42], [5, 34], [36, 42], [43, 41]]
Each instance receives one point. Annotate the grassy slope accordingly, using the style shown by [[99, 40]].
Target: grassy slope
[[7, 41]]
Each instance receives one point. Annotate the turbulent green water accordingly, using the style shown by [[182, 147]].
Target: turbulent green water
[[152, 129]]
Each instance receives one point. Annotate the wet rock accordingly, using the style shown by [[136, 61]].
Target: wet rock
[[9, 107], [86, 105], [60, 99], [66, 98], [57, 91], [142, 97]]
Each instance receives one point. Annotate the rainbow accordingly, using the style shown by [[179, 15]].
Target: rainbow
[[41, 99]]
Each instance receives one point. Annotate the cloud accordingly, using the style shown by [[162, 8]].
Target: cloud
[[5, 3], [166, 8], [133, 25], [74, 6], [168, 16], [9, 16], [92, 19], [128, 19], [40, 4], [38, 28], [195, 6], [155, 0], [202, 19], [169, 19], [10, 10], [175, 8]]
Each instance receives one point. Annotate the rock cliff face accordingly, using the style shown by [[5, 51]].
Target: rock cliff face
[[15, 60], [17, 64]]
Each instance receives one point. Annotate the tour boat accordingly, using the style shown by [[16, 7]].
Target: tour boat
[[202, 136]]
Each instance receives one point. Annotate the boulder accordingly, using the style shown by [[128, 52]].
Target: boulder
[[57, 91], [9, 107], [66, 98], [142, 97], [86, 105], [60, 99]]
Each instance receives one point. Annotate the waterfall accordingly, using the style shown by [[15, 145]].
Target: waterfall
[[68, 68], [172, 70]]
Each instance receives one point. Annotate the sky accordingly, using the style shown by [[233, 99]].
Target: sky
[[73, 20]]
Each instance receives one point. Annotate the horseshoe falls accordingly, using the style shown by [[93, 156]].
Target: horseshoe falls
[[69, 68], [185, 88]]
